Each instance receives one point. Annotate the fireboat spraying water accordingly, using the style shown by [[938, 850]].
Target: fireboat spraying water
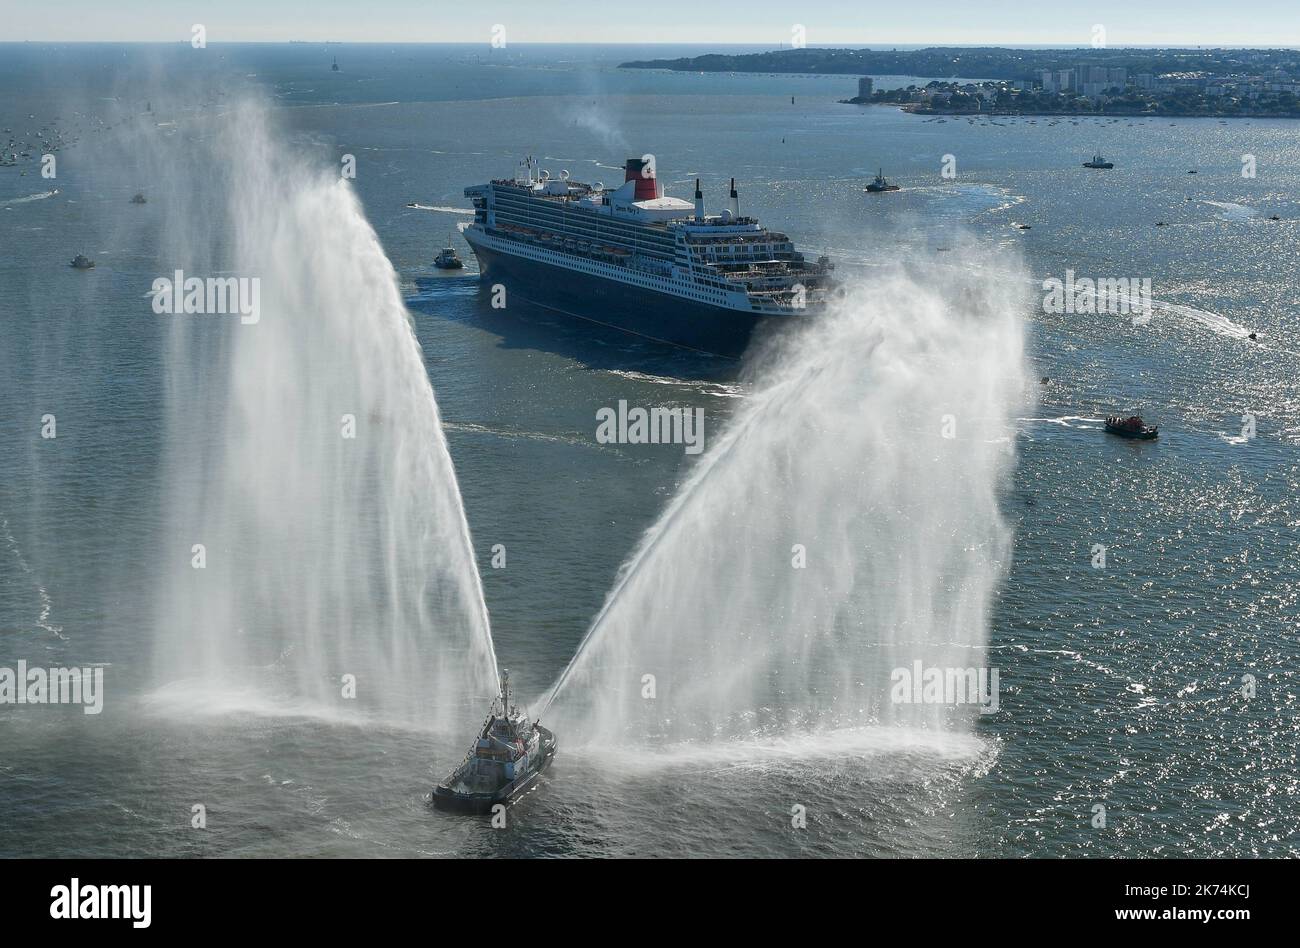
[[506, 761]]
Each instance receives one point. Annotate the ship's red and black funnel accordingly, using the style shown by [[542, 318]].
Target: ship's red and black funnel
[[642, 172]]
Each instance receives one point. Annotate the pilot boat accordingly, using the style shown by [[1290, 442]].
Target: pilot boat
[[507, 760]]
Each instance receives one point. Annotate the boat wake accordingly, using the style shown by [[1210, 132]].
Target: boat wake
[[1067, 421], [46, 606], [468, 212], [39, 196], [716, 389], [1233, 212], [1220, 325]]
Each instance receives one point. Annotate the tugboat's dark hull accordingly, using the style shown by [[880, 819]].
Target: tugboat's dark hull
[[444, 798], [1140, 434]]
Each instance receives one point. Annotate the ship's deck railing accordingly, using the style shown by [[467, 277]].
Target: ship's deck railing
[[584, 190], [711, 240], [775, 273], [718, 270], [582, 247]]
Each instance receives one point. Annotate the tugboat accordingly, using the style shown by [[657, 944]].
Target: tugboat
[[1131, 427], [82, 262], [1098, 162], [447, 260], [880, 185], [506, 761]]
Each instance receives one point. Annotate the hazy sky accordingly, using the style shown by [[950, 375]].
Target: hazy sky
[[856, 22]]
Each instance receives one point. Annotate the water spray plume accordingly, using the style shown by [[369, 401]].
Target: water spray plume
[[313, 470], [845, 524]]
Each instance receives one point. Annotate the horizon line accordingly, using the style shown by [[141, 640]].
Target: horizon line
[[938, 44]]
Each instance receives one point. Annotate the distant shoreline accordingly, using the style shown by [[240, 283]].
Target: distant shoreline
[[1102, 81], [964, 62]]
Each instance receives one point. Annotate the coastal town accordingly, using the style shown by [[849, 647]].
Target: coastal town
[[1098, 90], [1221, 83]]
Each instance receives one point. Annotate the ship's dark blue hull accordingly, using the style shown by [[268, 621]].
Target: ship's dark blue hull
[[645, 313]]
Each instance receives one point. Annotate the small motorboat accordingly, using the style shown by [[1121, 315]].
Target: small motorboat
[[1131, 427], [447, 259], [507, 760], [880, 185], [1098, 162], [82, 262], [139, 199]]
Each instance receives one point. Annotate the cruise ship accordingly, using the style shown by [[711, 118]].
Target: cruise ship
[[636, 260]]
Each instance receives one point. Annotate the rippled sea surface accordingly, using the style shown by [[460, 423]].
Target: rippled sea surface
[[1162, 687]]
